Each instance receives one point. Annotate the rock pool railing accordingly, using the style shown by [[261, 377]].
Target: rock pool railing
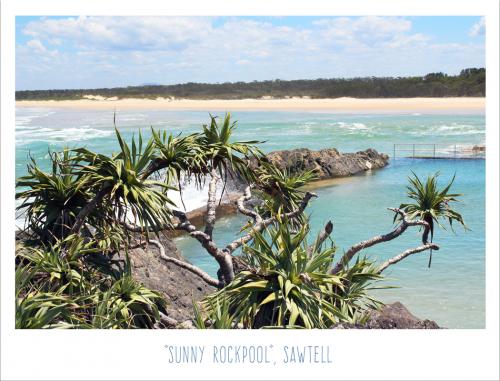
[[438, 151]]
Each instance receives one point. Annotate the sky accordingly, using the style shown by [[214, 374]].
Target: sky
[[90, 52]]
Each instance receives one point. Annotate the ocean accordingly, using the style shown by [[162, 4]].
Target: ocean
[[451, 292]]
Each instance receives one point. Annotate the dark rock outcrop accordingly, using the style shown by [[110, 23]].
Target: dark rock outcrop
[[179, 287], [328, 163], [392, 316]]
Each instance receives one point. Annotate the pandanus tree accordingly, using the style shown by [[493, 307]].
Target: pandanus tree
[[120, 180], [288, 284], [431, 205], [177, 157], [279, 190], [51, 201], [222, 154]]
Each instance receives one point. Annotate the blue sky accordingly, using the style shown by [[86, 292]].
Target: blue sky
[[89, 52]]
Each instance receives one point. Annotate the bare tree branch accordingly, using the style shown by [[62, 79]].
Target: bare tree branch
[[203, 238], [404, 254], [187, 266], [325, 233], [223, 258], [167, 321], [211, 203], [400, 229], [259, 226], [240, 203]]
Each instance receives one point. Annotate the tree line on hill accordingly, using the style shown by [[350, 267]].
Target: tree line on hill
[[469, 83]]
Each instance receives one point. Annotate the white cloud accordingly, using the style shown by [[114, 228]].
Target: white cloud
[[37, 47], [116, 51], [362, 30], [478, 28], [121, 33]]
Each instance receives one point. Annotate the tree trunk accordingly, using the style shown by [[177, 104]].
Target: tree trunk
[[425, 237], [80, 219], [226, 268]]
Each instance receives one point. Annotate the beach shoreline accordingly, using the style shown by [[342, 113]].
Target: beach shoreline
[[336, 105]]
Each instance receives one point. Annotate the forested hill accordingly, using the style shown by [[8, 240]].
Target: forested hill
[[470, 82]]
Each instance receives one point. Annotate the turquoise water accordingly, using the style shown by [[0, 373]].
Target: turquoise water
[[37, 129], [451, 292]]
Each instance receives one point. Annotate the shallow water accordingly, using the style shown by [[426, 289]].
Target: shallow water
[[451, 292]]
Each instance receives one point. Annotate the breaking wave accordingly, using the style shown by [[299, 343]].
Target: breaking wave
[[51, 135]]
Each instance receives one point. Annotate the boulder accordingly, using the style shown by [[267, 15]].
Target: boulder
[[179, 287], [328, 163]]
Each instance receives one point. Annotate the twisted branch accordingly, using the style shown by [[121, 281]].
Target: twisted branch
[[262, 224], [203, 238], [211, 203], [187, 266], [404, 254], [167, 321], [240, 204], [224, 259], [405, 223]]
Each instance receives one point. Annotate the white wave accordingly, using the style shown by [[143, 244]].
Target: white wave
[[24, 127], [23, 120], [131, 118], [20, 222], [447, 130], [354, 126], [453, 127], [52, 135], [194, 197]]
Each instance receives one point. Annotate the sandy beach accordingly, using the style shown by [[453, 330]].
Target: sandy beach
[[347, 105]]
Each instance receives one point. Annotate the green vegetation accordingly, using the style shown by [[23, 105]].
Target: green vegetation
[[431, 205], [470, 83], [85, 216], [288, 285], [57, 286]]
